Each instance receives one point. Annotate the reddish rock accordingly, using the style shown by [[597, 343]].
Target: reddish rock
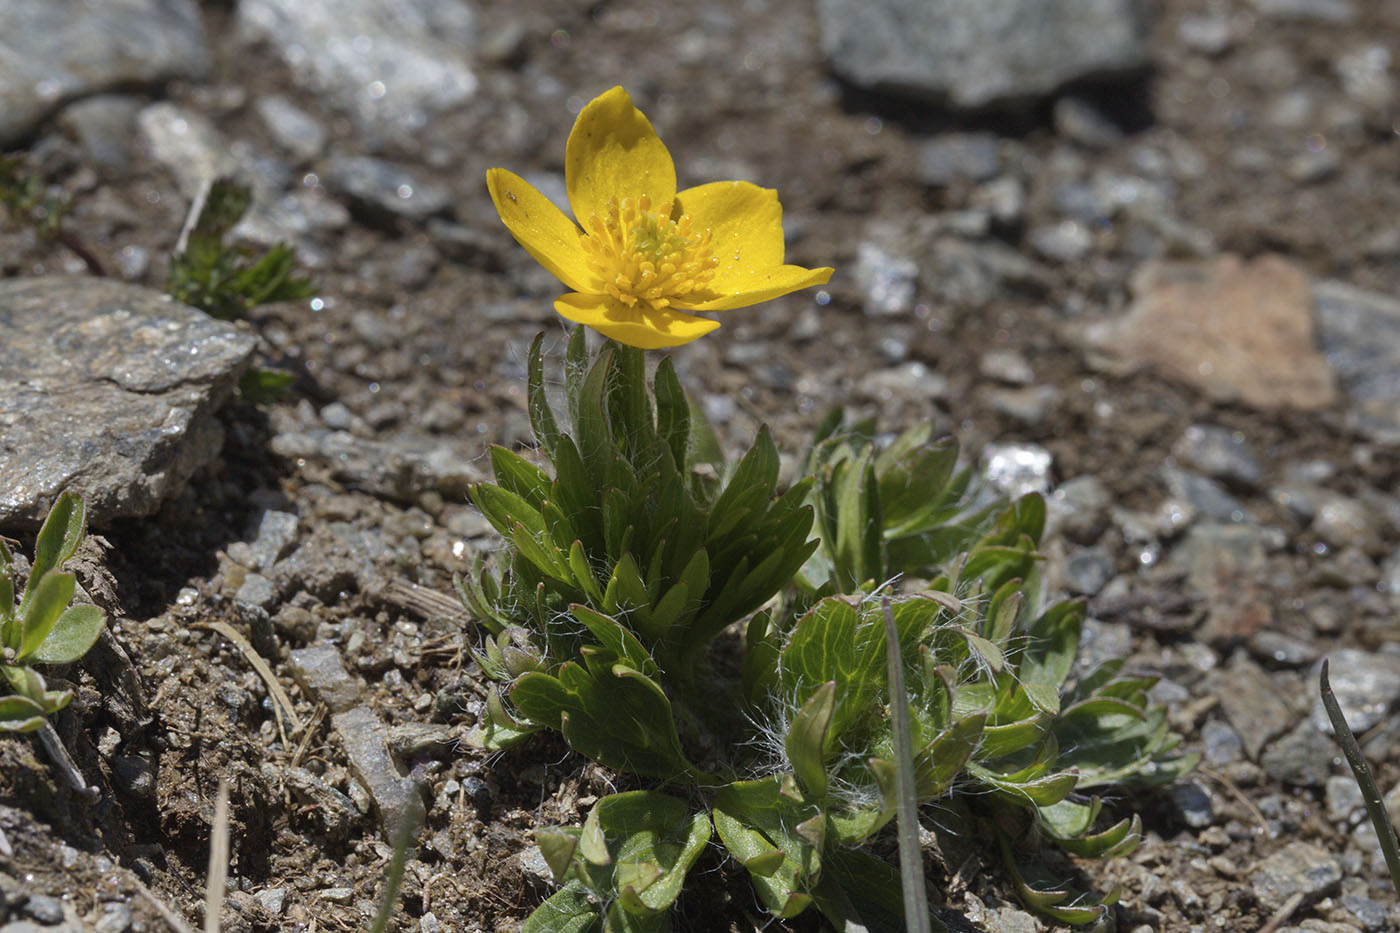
[[1236, 330]]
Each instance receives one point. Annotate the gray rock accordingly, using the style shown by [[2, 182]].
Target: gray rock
[[1192, 803], [1028, 405], [320, 671], [391, 67], [103, 125], [296, 131], [400, 467], [396, 798], [1088, 571], [44, 908], [271, 537], [1078, 120], [1067, 241], [116, 918], [972, 54], [1360, 336], [1220, 453], [886, 281], [1204, 495], [1300, 867], [533, 864], [1302, 757], [1221, 744], [1317, 11], [272, 900], [256, 590], [109, 391], [1017, 469], [946, 159], [1280, 649], [1204, 33], [1390, 574], [385, 186], [1251, 703], [187, 144], [1006, 366], [334, 812], [1344, 798], [1369, 914], [913, 381], [1310, 167], [1004, 198], [60, 50], [1366, 684], [1079, 509], [1342, 521]]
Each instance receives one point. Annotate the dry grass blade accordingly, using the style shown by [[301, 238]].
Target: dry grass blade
[[1370, 793], [218, 862], [279, 696]]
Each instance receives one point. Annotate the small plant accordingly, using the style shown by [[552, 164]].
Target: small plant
[[43, 627], [671, 616], [29, 201], [227, 281], [628, 564]]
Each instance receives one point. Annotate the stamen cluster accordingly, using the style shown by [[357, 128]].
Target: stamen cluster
[[641, 255]]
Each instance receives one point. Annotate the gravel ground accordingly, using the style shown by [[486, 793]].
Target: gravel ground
[[1156, 290]]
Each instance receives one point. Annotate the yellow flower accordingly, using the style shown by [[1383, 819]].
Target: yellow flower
[[646, 254]]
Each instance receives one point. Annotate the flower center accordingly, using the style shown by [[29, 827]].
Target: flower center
[[643, 256]]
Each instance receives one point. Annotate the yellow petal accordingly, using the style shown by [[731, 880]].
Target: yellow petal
[[746, 233], [756, 285], [645, 329], [614, 153], [540, 227]]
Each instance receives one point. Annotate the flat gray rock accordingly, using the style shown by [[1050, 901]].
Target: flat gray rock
[[55, 51], [391, 66], [107, 390], [1360, 336], [972, 53]]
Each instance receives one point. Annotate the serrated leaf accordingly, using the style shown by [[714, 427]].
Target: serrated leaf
[[74, 633]]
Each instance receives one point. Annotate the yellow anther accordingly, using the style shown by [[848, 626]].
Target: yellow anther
[[638, 254]]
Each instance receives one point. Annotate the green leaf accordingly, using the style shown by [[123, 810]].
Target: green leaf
[[263, 386], [1118, 840], [1052, 643], [520, 477], [59, 538], [542, 422], [806, 739], [620, 717], [558, 844], [7, 586], [672, 412], [938, 764], [612, 635], [46, 603], [758, 827], [568, 910], [74, 633], [653, 839], [20, 714]]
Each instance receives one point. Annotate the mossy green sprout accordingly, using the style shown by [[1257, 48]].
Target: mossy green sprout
[[44, 626]]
